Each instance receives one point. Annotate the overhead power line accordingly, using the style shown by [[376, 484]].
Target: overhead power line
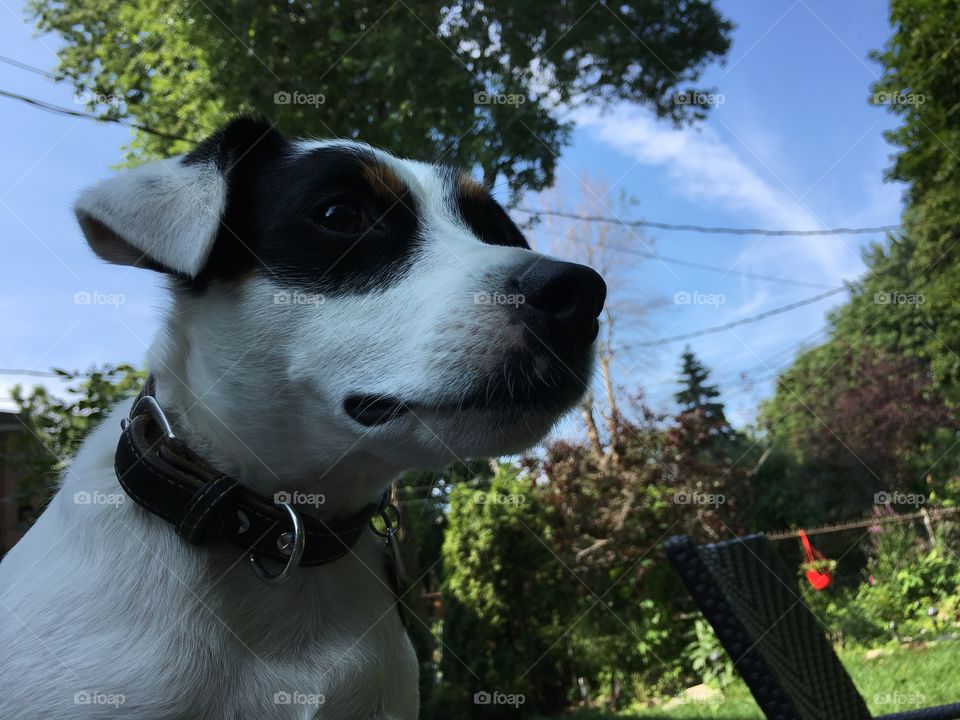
[[764, 367], [714, 268], [737, 323], [710, 230], [663, 341], [603, 244], [28, 67], [60, 110]]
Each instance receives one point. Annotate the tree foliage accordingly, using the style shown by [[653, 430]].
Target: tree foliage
[[874, 406], [863, 422], [55, 427], [474, 84], [695, 393], [921, 63]]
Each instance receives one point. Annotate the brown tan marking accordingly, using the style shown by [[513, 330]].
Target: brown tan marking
[[384, 181], [470, 188]]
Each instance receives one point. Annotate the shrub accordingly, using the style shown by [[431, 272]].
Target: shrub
[[508, 604]]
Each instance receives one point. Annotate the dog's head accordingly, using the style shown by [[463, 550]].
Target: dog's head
[[359, 302]]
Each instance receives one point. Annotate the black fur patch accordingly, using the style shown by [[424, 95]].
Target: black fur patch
[[482, 214], [274, 189]]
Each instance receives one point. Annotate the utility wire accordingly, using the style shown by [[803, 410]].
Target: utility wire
[[709, 230], [40, 71], [60, 110], [65, 374], [714, 268], [737, 323], [654, 343], [726, 376], [29, 68]]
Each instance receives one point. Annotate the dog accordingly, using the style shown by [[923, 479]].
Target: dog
[[338, 316]]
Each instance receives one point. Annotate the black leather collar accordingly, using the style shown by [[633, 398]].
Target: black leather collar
[[160, 473]]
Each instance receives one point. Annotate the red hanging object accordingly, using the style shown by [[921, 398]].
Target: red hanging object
[[819, 580]]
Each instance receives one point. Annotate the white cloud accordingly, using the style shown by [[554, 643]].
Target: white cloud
[[702, 166]]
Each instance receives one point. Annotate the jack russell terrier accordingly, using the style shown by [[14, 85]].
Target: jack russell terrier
[[338, 316]]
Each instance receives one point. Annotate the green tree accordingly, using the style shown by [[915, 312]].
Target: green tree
[[606, 519], [477, 84], [711, 458], [878, 425], [921, 63], [695, 395], [900, 331]]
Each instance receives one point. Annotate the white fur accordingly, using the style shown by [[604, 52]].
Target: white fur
[[105, 598], [167, 211]]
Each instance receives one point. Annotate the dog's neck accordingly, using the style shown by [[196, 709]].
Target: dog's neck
[[241, 422]]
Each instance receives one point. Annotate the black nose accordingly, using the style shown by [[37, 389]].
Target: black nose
[[563, 299]]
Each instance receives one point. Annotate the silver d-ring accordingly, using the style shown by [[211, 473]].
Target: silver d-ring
[[296, 552], [153, 409]]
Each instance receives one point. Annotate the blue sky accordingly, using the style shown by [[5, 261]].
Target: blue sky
[[792, 142]]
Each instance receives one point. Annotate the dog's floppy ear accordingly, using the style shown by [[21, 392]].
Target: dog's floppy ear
[[166, 214]]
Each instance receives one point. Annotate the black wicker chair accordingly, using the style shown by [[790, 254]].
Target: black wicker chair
[[753, 603]]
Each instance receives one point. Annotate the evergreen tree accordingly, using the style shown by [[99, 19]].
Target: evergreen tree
[[695, 395]]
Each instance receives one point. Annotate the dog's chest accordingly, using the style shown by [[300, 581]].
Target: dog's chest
[[329, 644], [342, 653], [133, 615]]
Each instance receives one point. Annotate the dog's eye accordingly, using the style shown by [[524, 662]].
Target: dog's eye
[[342, 215]]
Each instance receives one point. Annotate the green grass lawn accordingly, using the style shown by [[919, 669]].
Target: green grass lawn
[[902, 678]]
